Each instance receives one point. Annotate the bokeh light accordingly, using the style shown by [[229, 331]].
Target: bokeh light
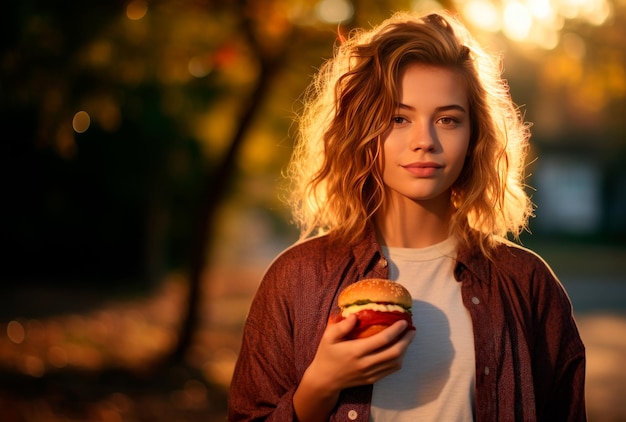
[[136, 9], [81, 122], [517, 21], [536, 22], [483, 12], [334, 11], [15, 332]]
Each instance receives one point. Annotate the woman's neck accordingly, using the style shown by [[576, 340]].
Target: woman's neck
[[409, 224]]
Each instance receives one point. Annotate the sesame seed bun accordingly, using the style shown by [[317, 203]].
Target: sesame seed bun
[[375, 290]]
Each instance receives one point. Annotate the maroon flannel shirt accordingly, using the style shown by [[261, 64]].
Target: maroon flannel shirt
[[530, 360]]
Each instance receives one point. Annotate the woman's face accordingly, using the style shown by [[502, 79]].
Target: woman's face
[[425, 148]]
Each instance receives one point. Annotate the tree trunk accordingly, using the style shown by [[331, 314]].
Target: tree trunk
[[216, 188]]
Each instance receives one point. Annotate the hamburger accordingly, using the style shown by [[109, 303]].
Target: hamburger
[[377, 303]]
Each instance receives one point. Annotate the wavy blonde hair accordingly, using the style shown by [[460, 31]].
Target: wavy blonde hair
[[335, 171]]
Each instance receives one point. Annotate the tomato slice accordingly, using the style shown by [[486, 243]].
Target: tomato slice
[[369, 317]]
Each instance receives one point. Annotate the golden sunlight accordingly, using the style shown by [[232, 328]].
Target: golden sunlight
[[484, 13], [536, 22], [334, 11]]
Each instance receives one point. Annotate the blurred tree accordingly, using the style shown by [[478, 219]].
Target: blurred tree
[[270, 58]]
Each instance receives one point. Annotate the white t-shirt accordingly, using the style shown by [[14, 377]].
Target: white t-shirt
[[436, 382]]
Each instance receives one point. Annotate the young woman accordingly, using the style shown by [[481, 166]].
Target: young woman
[[410, 167]]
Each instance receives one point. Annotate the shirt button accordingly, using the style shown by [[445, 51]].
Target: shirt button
[[352, 415], [382, 262], [486, 370], [475, 300]]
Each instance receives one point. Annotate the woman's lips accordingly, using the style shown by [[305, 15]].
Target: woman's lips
[[424, 169]]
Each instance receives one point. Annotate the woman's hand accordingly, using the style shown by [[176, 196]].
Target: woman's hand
[[344, 363], [341, 363]]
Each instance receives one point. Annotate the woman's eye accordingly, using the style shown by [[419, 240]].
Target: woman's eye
[[398, 120], [448, 121]]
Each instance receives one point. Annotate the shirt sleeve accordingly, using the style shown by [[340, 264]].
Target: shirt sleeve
[[265, 378], [559, 353]]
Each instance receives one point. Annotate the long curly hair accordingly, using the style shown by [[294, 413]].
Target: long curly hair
[[336, 171]]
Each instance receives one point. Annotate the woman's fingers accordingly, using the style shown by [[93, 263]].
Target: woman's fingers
[[390, 360], [386, 337], [338, 330], [345, 363], [381, 354]]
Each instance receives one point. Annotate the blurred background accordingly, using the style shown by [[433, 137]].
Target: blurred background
[[143, 145]]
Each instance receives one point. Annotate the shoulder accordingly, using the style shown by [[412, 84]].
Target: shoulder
[[504, 255], [529, 282], [312, 251], [309, 260], [293, 274], [510, 255], [304, 279], [511, 264]]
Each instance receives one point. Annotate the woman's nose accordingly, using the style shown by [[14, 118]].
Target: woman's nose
[[423, 136]]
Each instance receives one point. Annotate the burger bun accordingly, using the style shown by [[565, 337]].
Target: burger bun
[[373, 319]]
